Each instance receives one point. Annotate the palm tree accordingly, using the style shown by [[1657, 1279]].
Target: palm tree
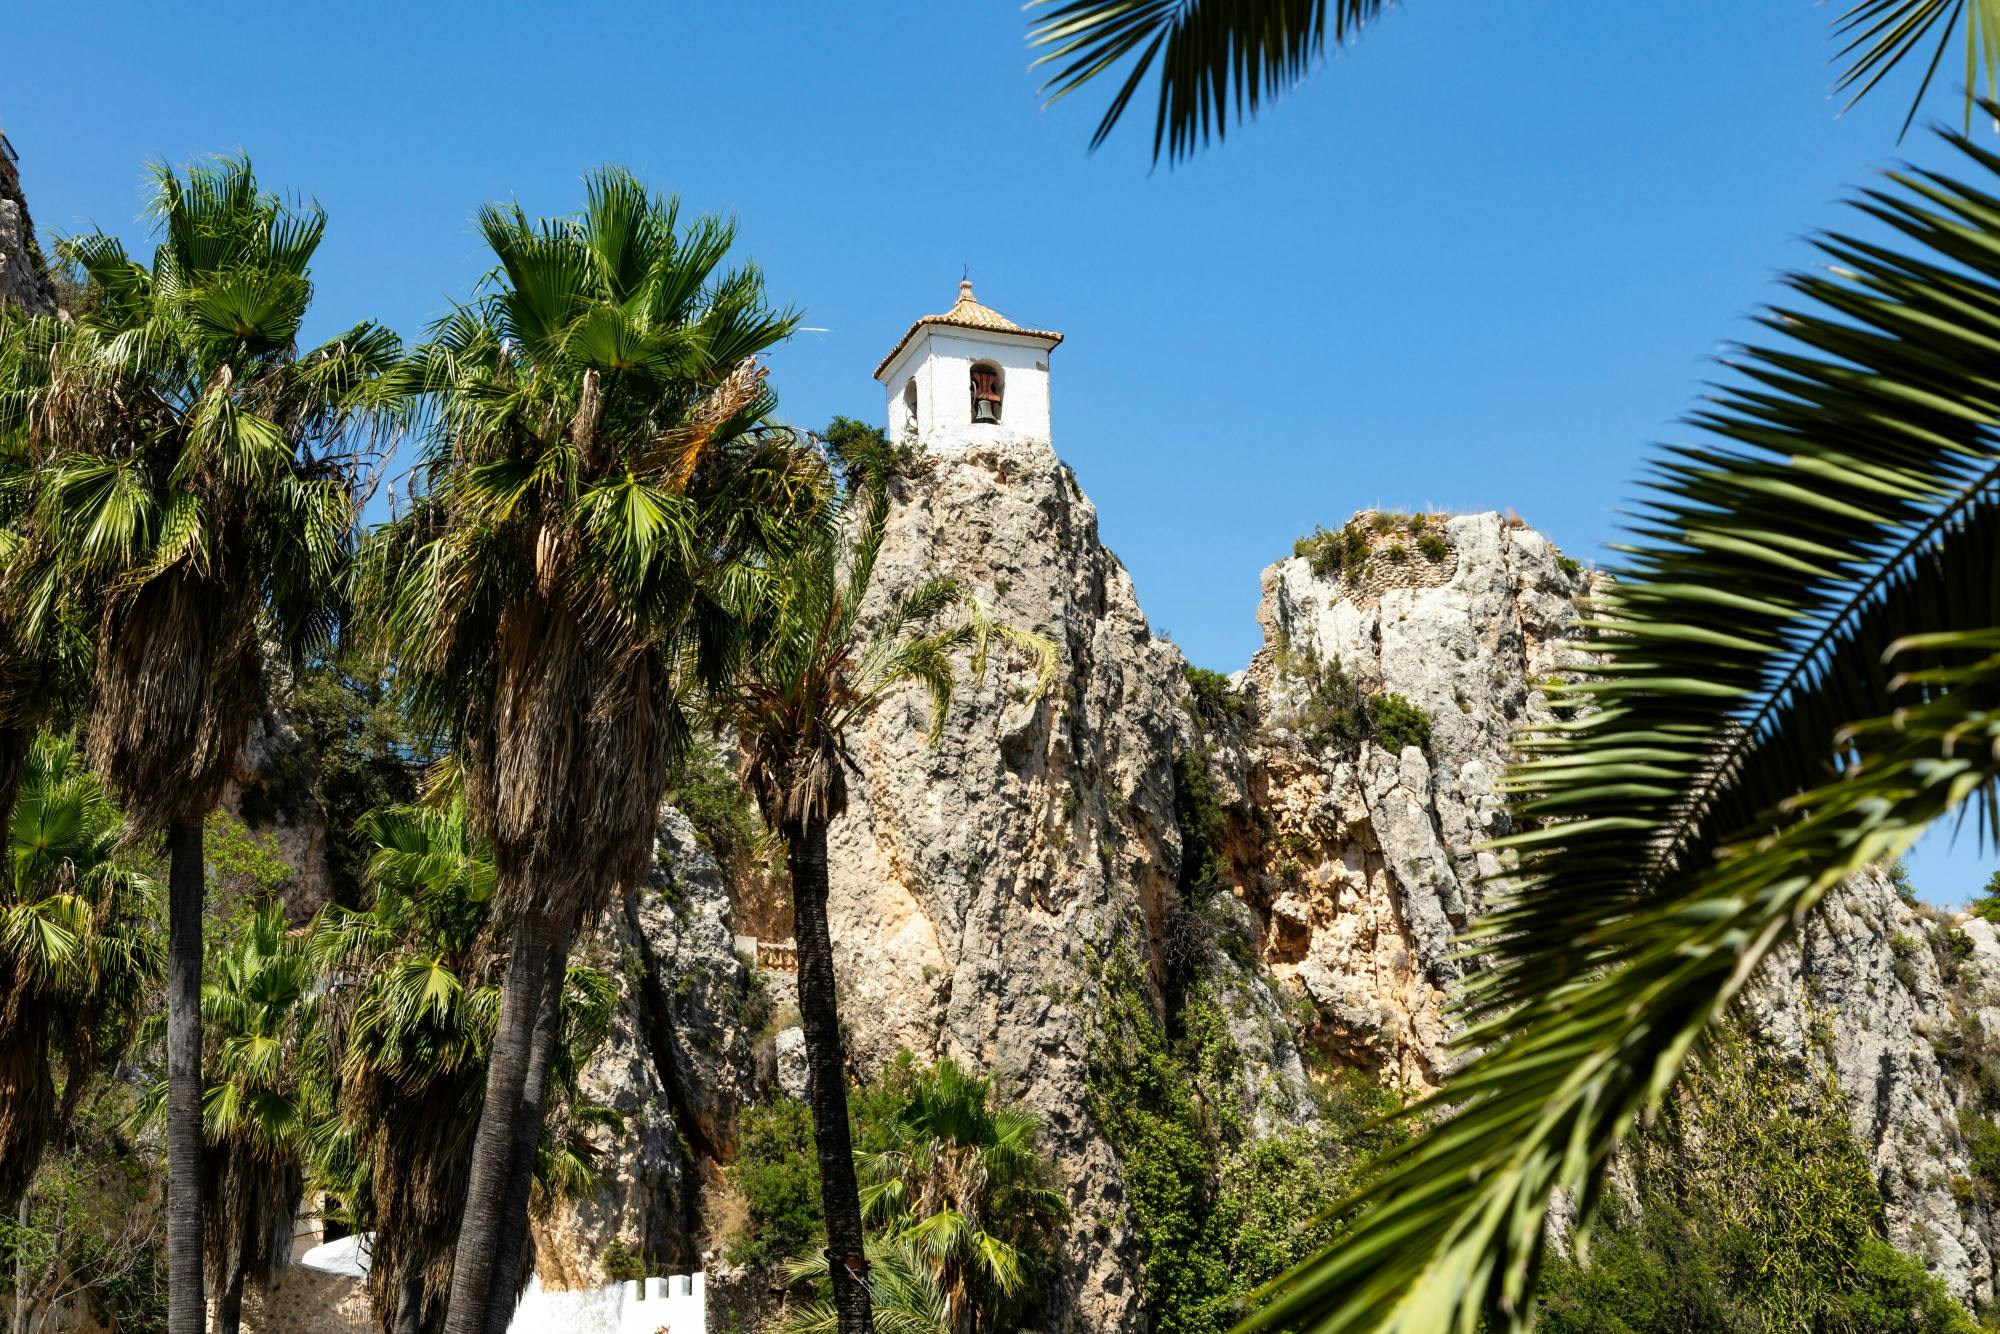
[[192, 466], [962, 1184], [412, 998], [413, 992], [905, 1296], [1797, 672], [813, 671], [1219, 60], [594, 476], [257, 1007], [79, 951]]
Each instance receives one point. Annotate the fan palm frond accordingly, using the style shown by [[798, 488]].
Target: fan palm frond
[[907, 1297], [79, 945]]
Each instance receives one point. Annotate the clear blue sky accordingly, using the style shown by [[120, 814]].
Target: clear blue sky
[[1481, 262]]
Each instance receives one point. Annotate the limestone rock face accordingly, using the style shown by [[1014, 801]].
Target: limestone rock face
[[23, 280], [1879, 984], [979, 885], [677, 1067], [1361, 864]]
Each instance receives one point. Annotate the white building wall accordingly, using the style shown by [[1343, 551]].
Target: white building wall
[[329, 1295], [940, 360]]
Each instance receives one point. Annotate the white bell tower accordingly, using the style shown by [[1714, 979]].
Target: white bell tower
[[968, 376]]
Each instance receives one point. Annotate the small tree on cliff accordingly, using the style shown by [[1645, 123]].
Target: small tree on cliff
[[551, 599], [814, 671]]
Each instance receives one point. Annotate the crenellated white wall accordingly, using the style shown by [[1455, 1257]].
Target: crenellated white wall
[[940, 360], [674, 1304]]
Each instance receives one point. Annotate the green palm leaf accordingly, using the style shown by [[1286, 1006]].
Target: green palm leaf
[[1879, 35], [1219, 61], [1794, 676]]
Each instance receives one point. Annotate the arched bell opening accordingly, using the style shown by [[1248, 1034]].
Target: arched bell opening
[[988, 385]]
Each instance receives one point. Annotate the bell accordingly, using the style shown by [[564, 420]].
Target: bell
[[985, 412]]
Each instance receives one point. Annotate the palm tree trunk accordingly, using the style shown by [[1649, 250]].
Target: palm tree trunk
[[187, 1304], [473, 1273], [508, 1255], [21, 1268], [15, 743], [229, 1306], [410, 1304], [826, 1077]]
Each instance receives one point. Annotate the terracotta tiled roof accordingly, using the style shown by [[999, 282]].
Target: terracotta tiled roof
[[967, 313]]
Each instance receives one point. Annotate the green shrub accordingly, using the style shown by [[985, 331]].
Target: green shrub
[[354, 752], [1898, 872], [778, 1177], [620, 1263], [1335, 714], [1330, 714], [1342, 552], [1987, 906], [1982, 1151], [1396, 723], [1756, 1212], [1434, 547], [1213, 700], [1903, 948], [1894, 1293], [705, 789], [1354, 549], [1397, 552], [1204, 827], [1321, 550], [1218, 1211], [1569, 565], [853, 444]]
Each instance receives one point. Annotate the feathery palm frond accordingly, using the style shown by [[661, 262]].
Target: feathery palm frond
[[1795, 677], [1220, 60], [1879, 35]]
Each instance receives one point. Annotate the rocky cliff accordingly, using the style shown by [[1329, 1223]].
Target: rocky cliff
[[981, 885], [24, 278], [990, 890]]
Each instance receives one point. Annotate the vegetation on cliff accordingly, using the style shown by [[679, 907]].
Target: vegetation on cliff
[[960, 1199]]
